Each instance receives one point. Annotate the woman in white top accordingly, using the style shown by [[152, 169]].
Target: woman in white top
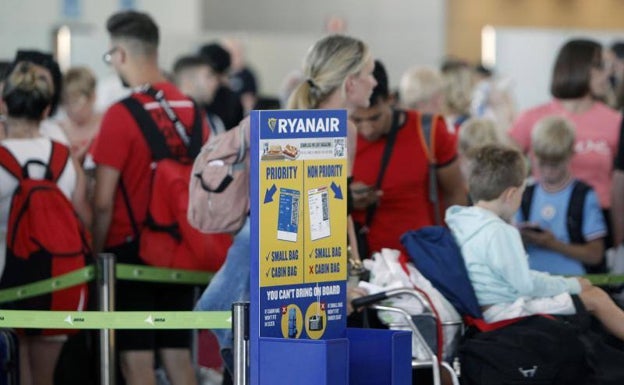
[[26, 99]]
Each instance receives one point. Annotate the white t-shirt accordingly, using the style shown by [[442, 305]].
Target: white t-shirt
[[24, 150], [51, 129]]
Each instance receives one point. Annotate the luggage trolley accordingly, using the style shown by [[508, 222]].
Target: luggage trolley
[[424, 332]]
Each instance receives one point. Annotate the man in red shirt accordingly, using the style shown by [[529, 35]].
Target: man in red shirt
[[124, 161], [402, 201]]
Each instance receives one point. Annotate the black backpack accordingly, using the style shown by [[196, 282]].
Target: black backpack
[[574, 217], [534, 350], [572, 349]]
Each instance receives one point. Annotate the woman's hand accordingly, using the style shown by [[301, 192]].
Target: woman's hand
[[353, 293], [364, 195]]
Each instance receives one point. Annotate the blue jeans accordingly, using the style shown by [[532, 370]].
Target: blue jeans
[[230, 284]]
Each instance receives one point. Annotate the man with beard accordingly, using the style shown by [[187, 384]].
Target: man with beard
[[122, 192]]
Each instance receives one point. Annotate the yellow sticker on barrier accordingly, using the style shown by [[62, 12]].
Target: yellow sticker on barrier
[[115, 320]]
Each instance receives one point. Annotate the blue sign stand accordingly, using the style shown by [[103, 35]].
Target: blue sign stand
[[298, 331]]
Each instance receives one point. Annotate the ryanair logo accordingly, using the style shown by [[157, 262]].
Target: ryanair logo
[[272, 122], [303, 125]]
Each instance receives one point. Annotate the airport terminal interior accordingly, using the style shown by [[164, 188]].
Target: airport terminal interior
[[208, 192]]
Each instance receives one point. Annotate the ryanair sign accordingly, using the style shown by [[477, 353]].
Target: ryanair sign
[[296, 124], [306, 125]]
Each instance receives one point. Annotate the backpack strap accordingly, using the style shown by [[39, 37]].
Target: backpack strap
[[385, 159], [194, 143], [427, 128], [159, 97], [527, 200], [155, 138], [59, 155], [574, 216], [10, 164], [428, 132]]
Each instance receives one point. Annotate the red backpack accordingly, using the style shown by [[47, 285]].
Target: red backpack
[[45, 237], [166, 237]]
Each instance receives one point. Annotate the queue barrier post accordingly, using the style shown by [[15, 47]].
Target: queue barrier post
[[106, 289], [240, 325]]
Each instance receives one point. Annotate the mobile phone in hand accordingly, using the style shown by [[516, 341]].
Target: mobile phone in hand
[[361, 189], [537, 229]]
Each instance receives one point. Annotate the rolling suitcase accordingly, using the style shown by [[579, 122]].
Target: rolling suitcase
[[9, 358]]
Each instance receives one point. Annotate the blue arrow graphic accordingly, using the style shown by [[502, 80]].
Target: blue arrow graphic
[[268, 196], [337, 190]]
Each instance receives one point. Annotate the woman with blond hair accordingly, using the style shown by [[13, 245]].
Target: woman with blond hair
[[338, 74]]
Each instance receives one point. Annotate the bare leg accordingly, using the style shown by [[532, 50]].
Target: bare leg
[[445, 377], [25, 370], [137, 367], [177, 363], [43, 354], [602, 307]]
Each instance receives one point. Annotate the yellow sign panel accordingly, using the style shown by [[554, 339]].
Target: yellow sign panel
[[281, 249], [303, 221], [325, 235]]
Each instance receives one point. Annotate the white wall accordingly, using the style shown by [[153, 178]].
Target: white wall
[[277, 32], [29, 23], [400, 32]]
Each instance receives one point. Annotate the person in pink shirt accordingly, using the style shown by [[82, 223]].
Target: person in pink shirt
[[579, 77]]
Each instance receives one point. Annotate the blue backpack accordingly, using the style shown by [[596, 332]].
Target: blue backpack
[[435, 254]]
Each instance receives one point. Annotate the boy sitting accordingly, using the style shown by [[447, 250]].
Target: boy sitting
[[560, 218], [495, 257]]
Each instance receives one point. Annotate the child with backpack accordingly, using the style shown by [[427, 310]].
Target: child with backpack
[[43, 212], [560, 219], [495, 257]]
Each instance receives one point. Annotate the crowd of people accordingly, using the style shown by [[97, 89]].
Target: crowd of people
[[446, 147]]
